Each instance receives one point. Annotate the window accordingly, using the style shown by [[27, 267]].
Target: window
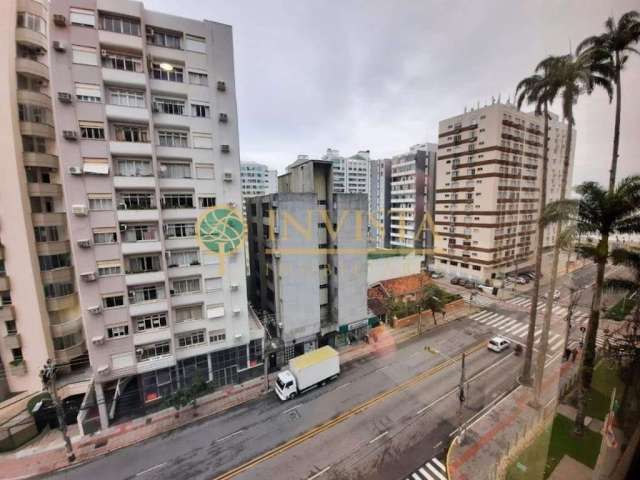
[[53, 262], [164, 38], [126, 97], [176, 169], [150, 322], [92, 130], [213, 284], [122, 61], [82, 17], [177, 200], [41, 204], [10, 325], [195, 44], [168, 105], [190, 339], [118, 24], [198, 78], [120, 331], [205, 172], [180, 230], [147, 293], [202, 140], [84, 55], [110, 267], [138, 233], [176, 74], [53, 290], [476, 267], [200, 110], [103, 236], [151, 350], [88, 93], [100, 201], [95, 166], [217, 336], [46, 234], [131, 133], [183, 258], [113, 301], [207, 202], [185, 286], [34, 113], [34, 144], [188, 313], [136, 201], [173, 138], [32, 22], [143, 264], [133, 167]]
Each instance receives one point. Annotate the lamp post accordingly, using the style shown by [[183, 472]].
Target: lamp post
[[48, 377]]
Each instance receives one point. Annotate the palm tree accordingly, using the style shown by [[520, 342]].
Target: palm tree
[[613, 48], [569, 76], [536, 90], [603, 213]]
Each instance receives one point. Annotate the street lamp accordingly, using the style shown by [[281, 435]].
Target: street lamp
[[167, 67], [48, 377]]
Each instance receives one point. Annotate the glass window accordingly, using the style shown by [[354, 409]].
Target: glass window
[[119, 24], [206, 172], [122, 61], [188, 313], [147, 293], [34, 113], [152, 350], [164, 38], [53, 290], [119, 331], [34, 144], [84, 55], [134, 167], [180, 230], [100, 202], [185, 286], [198, 78], [202, 140], [82, 17], [136, 201], [104, 236], [113, 301], [138, 233], [109, 267], [176, 74], [195, 44], [32, 22], [150, 322], [88, 93], [168, 105], [190, 339], [183, 258], [207, 202], [92, 130], [126, 97], [217, 336], [175, 169], [53, 262], [177, 200], [47, 234], [131, 133], [173, 138], [200, 110]]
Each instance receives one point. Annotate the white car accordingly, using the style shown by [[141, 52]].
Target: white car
[[556, 295], [498, 344]]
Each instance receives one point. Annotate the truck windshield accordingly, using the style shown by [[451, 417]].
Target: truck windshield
[[280, 383]]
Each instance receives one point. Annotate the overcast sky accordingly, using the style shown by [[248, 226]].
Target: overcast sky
[[379, 75]]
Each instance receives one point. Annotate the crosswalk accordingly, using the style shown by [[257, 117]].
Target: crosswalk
[[526, 303], [517, 330], [432, 470]]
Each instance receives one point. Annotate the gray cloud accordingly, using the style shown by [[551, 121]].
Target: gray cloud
[[379, 75]]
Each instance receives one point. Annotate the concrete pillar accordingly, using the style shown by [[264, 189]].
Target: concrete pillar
[[102, 406]]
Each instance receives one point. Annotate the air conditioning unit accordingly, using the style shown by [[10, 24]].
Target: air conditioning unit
[[228, 176], [70, 135], [103, 53], [80, 210], [276, 230], [84, 243], [234, 287], [123, 227], [223, 118], [122, 206], [103, 370], [277, 255], [60, 20], [98, 340], [59, 46], [96, 309], [89, 276], [139, 351], [236, 311], [224, 148], [65, 97], [75, 170], [222, 87]]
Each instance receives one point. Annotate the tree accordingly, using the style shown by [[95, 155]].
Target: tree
[[612, 49], [432, 300], [187, 395], [602, 213], [569, 76], [536, 90]]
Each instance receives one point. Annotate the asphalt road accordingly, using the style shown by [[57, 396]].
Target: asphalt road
[[401, 426]]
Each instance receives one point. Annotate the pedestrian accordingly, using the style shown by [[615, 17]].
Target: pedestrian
[[574, 354]]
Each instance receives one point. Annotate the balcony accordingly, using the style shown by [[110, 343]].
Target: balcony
[[44, 189], [123, 77], [37, 98], [156, 363], [126, 114], [53, 248], [36, 159], [37, 129], [31, 38], [148, 307], [18, 368], [130, 148], [7, 313], [48, 219], [120, 40], [138, 215], [62, 303], [145, 182], [59, 275], [141, 278], [66, 355], [5, 284], [151, 336], [66, 327], [32, 67], [12, 341]]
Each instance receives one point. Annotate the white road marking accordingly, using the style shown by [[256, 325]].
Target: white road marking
[[439, 463], [230, 435], [319, 473], [508, 324], [477, 315], [514, 327], [538, 332], [495, 320], [436, 471], [151, 469], [488, 317], [343, 385], [437, 445], [425, 474], [522, 328], [291, 409], [373, 440], [415, 476], [557, 344]]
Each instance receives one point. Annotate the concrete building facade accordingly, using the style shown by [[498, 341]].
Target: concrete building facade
[[305, 228], [257, 179], [487, 195], [379, 200], [350, 174]]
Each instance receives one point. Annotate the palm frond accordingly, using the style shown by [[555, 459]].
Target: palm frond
[[620, 285], [587, 251], [560, 211], [628, 257]]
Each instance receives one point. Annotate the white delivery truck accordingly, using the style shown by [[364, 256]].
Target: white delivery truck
[[307, 371]]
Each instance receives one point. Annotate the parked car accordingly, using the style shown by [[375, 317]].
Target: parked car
[[521, 280], [498, 344], [437, 275], [456, 280], [556, 295], [470, 284]]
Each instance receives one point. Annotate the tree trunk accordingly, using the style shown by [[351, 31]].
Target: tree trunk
[[587, 361], [616, 127], [533, 312], [544, 338]]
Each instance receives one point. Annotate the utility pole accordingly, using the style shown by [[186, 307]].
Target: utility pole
[[574, 297], [462, 399], [48, 377]]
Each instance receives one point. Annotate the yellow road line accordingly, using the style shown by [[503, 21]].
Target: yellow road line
[[303, 437]]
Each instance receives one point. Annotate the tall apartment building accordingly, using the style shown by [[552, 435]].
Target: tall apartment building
[[40, 313], [350, 174], [307, 247], [488, 183], [379, 199], [146, 141], [257, 179], [411, 196]]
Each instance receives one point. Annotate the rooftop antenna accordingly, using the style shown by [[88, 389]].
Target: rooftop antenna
[[499, 97]]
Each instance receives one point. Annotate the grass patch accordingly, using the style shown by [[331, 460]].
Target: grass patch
[[388, 252], [621, 309], [544, 454], [606, 377]]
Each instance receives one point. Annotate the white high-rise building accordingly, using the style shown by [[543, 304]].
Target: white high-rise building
[[488, 184], [350, 174], [257, 179]]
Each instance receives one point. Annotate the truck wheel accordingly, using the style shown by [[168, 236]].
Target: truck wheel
[[292, 396]]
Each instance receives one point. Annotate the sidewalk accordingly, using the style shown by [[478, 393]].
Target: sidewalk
[[46, 453]]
